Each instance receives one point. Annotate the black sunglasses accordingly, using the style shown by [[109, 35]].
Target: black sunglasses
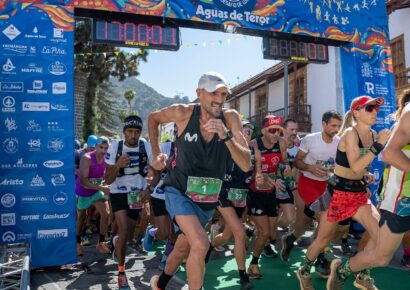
[[274, 130], [370, 108]]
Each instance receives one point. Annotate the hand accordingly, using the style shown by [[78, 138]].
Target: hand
[[371, 178], [259, 179], [144, 195], [317, 170], [105, 189], [287, 171], [280, 185], [216, 126], [123, 161], [384, 135], [160, 162]]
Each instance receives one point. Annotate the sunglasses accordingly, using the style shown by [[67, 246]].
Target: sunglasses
[[274, 130], [370, 108]]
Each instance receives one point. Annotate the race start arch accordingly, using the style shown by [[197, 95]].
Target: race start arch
[[37, 200]]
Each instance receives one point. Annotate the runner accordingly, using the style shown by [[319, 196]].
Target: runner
[[394, 209], [315, 160], [127, 166], [91, 191], [270, 151], [207, 135], [232, 204]]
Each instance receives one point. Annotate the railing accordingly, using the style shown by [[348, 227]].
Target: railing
[[15, 267], [402, 78], [300, 113]]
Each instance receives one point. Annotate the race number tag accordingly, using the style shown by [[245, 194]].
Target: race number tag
[[203, 189], [96, 181], [237, 196], [133, 199]]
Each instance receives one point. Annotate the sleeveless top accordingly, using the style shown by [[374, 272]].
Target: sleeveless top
[[270, 159], [199, 164], [95, 176], [396, 191]]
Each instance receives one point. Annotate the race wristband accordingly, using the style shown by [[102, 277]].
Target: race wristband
[[376, 148]]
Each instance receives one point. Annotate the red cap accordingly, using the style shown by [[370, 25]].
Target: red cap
[[270, 120], [365, 100]]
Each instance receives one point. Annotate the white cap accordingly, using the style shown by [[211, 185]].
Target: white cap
[[211, 81]]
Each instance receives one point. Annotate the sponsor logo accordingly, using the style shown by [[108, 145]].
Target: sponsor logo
[[12, 182], [8, 237], [33, 126], [59, 88], [58, 36], [55, 145], [55, 216], [10, 124], [60, 198], [19, 165], [11, 32], [34, 199], [190, 138], [8, 105], [32, 217], [58, 179], [58, 107], [37, 88], [52, 234], [10, 145], [53, 126], [53, 50], [32, 68], [34, 145], [8, 219], [53, 163], [57, 68], [35, 34], [12, 87], [8, 200], [36, 106], [24, 236], [37, 181], [16, 48], [8, 67]]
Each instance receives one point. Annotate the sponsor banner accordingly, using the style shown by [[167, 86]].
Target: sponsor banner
[[37, 203]]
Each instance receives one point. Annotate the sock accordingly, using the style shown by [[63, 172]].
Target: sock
[[242, 273], [255, 260], [78, 238], [344, 270], [406, 252], [163, 280], [168, 248], [291, 239], [308, 264], [208, 254], [101, 239]]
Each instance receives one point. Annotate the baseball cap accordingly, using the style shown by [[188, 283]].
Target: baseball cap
[[271, 120], [134, 122], [211, 81], [247, 123], [91, 140], [102, 140], [365, 100]]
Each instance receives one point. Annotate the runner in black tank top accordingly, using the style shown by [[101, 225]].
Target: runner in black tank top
[[208, 135]]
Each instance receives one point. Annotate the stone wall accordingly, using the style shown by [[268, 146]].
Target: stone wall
[[80, 87]]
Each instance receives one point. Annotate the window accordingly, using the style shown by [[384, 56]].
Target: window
[[399, 62], [260, 100]]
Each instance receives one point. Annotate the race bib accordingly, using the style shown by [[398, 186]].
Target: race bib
[[96, 181], [133, 199], [203, 189], [237, 196]]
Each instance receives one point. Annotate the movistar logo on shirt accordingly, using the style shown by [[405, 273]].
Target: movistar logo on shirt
[[190, 138]]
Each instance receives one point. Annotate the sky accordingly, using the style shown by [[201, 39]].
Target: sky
[[235, 56]]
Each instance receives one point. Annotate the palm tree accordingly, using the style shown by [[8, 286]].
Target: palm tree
[[129, 95]]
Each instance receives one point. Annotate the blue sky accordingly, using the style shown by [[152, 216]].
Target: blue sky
[[235, 56]]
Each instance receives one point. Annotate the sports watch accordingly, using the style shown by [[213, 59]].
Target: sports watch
[[229, 136]]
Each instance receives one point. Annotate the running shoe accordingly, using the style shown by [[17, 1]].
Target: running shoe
[[405, 261], [80, 250], [154, 282], [322, 268], [364, 281], [305, 280], [103, 248], [245, 283], [335, 281], [269, 252], [148, 239], [286, 248], [123, 282], [346, 249], [85, 241], [137, 248]]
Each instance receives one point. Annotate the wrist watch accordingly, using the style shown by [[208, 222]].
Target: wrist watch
[[229, 136]]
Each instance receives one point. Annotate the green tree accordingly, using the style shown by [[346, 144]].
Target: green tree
[[107, 106], [100, 61], [129, 95]]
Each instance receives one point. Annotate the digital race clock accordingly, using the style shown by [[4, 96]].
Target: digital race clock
[[136, 35], [294, 50]]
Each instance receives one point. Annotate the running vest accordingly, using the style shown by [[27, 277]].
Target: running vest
[[198, 168], [95, 176], [142, 159], [396, 192], [270, 159]]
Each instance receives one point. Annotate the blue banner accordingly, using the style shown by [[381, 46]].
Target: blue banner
[[37, 200]]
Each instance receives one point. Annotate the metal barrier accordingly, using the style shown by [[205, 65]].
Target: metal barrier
[[15, 267]]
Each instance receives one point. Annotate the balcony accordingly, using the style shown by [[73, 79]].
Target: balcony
[[402, 81], [300, 113]]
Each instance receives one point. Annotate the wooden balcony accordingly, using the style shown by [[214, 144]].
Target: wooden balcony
[[402, 81], [300, 113]]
